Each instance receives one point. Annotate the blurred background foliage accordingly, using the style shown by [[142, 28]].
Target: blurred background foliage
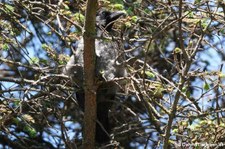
[[175, 54]]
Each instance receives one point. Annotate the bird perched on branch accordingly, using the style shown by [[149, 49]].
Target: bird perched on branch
[[109, 65]]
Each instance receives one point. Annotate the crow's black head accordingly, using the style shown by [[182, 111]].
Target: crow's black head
[[105, 19]]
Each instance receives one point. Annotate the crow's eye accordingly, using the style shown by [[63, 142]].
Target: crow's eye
[[103, 13]]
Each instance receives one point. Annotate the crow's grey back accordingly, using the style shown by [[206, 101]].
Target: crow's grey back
[[109, 61]]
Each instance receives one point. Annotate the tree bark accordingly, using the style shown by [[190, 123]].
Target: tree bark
[[89, 75]]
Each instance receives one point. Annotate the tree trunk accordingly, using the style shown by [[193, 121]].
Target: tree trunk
[[89, 75]]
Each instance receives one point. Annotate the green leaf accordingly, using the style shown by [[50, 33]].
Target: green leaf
[[191, 14], [175, 130], [5, 47], [147, 10], [31, 131], [188, 94], [134, 19], [204, 23], [9, 7], [16, 121], [34, 60], [206, 86], [197, 1], [66, 7], [49, 33], [44, 46], [79, 17], [158, 92], [177, 50], [17, 102], [222, 125], [128, 24], [221, 75], [43, 61], [184, 89], [130, 11], [118, 6], [203, 122], [150, 74], [184, 123]]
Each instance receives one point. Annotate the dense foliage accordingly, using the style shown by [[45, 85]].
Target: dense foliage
[[174, 92]]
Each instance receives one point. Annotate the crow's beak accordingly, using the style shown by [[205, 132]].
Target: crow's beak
[[115, 15]]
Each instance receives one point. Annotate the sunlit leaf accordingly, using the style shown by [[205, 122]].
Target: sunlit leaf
[[177, 50], [34, 60], [134, 19], [11, 8], [79, 17], [28, 118], [117, 6], [128, 24], [5, 47], [150, 74]]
